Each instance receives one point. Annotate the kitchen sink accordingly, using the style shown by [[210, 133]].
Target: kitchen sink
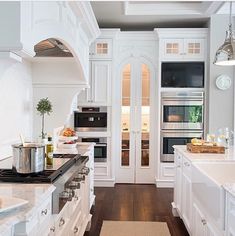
[[207, 181]]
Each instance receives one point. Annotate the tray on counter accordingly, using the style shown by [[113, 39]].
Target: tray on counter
[[205, 149]]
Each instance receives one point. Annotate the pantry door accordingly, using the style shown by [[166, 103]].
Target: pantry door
[[135, 164]]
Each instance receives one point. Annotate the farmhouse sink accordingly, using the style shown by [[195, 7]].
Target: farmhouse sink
[[207, 181]]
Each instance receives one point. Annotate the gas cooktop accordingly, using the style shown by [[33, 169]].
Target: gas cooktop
[[49, 175]]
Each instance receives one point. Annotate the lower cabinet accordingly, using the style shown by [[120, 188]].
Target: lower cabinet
[[230, 213], [189, 208], [200, 225], [186, 194]]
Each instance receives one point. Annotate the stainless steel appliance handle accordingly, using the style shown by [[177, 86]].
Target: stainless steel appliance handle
[[101, 145]]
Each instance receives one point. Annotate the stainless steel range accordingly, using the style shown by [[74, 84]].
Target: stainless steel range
[[67, 174]]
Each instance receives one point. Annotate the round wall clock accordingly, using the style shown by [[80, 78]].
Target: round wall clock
[[223, 82]]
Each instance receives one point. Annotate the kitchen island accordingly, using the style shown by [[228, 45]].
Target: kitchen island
[[39, 216], [204, 191]]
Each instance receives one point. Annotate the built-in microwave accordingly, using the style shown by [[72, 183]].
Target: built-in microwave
[[90, 119], [182, 74]]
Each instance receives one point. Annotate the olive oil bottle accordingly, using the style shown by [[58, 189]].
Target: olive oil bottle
[[49, 152]]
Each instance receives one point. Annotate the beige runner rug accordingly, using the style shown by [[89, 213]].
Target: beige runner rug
[[134, 228]]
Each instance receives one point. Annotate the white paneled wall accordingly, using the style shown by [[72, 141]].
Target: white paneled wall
[[15, 103]]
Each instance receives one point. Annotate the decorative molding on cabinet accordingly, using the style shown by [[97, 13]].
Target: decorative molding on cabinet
[[164, 183], [181, 33], [10, 55], [104, 182], [59, 85]]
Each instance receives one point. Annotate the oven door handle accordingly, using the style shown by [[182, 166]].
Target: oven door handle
[[101, 145]]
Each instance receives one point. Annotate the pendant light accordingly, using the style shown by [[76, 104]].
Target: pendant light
[[225, 55]]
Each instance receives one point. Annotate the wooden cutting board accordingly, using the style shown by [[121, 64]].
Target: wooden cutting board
[[205, 149]]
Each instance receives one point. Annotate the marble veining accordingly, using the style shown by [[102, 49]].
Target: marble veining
[[230, 187], [35, 194]]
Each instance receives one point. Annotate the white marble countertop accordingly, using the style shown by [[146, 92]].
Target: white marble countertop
[[228, 157], [230, 188], [35, 194]]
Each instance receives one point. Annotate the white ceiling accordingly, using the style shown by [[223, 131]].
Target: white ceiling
[[146, 15]]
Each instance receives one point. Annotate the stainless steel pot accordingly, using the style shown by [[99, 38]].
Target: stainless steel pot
[[28, 159]]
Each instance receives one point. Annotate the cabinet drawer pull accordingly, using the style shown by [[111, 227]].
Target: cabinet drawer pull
[[203, 221], [178, 166], [52, 229], [62, 221], [44, 212], [75, 230], [186, 164]]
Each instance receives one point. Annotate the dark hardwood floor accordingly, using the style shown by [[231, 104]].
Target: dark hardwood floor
[[135, 203]]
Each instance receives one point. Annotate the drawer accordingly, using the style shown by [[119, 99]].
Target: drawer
[[44, 212], [62, 225], [75, 228], [187, 167]]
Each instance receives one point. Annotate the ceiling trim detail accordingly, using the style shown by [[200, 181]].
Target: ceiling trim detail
[[171, 8]]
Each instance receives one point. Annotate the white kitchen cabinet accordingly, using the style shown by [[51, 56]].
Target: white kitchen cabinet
[[90, 164], [200, 225], [178, 183], [102, 48], [183, 49], [230, 215], [100, 85], [186, 193]]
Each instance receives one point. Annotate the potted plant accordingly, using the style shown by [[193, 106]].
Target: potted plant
[[44, 106]]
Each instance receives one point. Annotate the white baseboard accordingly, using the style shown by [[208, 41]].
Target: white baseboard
[[164, 183], [104, 182]]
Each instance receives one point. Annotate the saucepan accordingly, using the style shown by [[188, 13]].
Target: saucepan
[[28, 158]]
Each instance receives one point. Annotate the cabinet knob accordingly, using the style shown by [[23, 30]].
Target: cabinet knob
[[178, 166], [75, 230], [44, 212], [62, 221], [52, 229], [203, 221]]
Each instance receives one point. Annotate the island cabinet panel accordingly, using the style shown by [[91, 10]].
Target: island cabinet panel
[[186, 193], [230, 212], [190, 208]]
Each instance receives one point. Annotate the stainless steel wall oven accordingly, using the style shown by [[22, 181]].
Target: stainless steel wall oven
[[182, 110], [100, 149], [182, 118], [169, 138]]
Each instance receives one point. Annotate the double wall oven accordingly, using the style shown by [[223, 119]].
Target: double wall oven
[[182, 116]]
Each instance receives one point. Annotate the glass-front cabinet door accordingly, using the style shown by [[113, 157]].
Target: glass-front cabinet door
[[135, 164]]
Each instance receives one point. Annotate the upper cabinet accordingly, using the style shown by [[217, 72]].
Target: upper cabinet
[[100, 85], [101, 49], [182, 44], [183, 49]]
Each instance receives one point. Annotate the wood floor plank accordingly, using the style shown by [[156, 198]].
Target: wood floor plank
[[135, 203]]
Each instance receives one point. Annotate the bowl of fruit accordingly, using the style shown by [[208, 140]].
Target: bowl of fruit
[[68, 134]]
